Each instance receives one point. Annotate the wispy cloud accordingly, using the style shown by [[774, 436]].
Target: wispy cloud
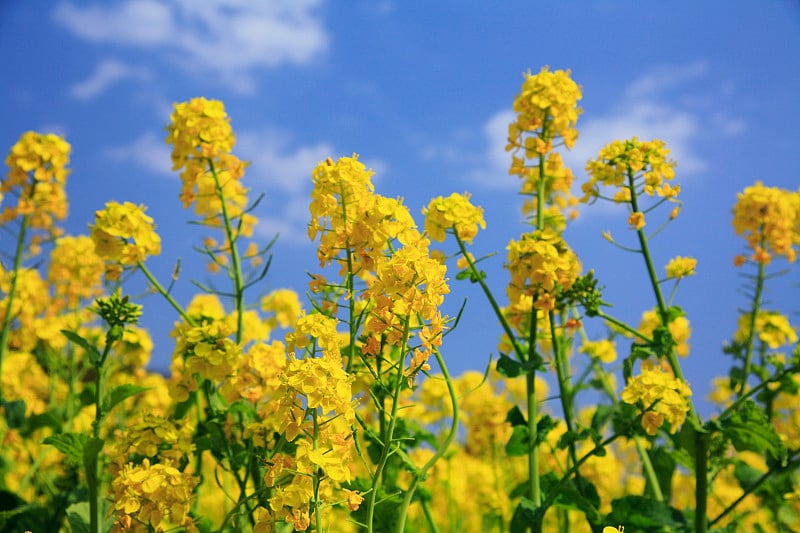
[[276, 163], [662, 103], [279, 168], [228, 39], [148, 151], [106, 73]]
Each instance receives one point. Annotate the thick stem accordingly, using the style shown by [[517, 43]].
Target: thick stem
[[663, 311], [5, 334], [389, 434], [751, 336], [520, 353], [238, 282], [701, 481], [163, 292], [422, 472]]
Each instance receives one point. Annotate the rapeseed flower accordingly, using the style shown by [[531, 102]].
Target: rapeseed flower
[[661, 397], [123, 234], [454, 212], [769, 220], [37, 175]]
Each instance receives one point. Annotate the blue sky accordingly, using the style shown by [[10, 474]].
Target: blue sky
[[423, 91]]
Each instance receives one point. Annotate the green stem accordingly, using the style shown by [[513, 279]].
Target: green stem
[[238, 282], [534, 485], [422, 472], [566, 392], [5, 334], [663, 311], [647, 464], [701, 440], [389, 432], [315, 443], [622, 325], [163, 292], [93, 477], [751, 337], [489, 296], [791, 463], [426, 510]]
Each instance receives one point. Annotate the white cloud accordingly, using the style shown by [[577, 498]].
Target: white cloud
[[228, 39], [148, 151], [106, 73], [277, 164], [646, 120], [665, 77], [651, 106]]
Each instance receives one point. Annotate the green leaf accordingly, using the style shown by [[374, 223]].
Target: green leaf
[[749, 430], [575, 494], [78, 516], [119, 394], [525, 515], [15, 413], [94, 354], [50, 418], [602, 414], [664, 464], [515, 417], [70, 444], [91, 449], [508, 367], [543, 427], [519, 442], [746, 475], [639, 513]]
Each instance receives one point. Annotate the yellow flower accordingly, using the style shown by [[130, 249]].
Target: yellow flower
[[549, 101], [772, 328], [541, 265], [769, 219], [285, 305], [122, 233], [75, 272], [660, 397], [679, 329], [158, 496], [680, 267], [604, 349], [37, 175], [620, 162], [636, 220], [454, 212]]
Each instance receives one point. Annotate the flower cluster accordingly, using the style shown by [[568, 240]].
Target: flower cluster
[[454, 212], [409, 288], [604, 349], [633, 167], [680, 267], [547, 109], [541, 266], [37, 174], [152, 497], [771, 328], [348, 215], [661, 397], [207, 350], [75, 272], [678, 327], [202, 139], [769, 220], [123, 234], [547, 103]]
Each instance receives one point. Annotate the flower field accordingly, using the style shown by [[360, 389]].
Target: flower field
[[334, 410]]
